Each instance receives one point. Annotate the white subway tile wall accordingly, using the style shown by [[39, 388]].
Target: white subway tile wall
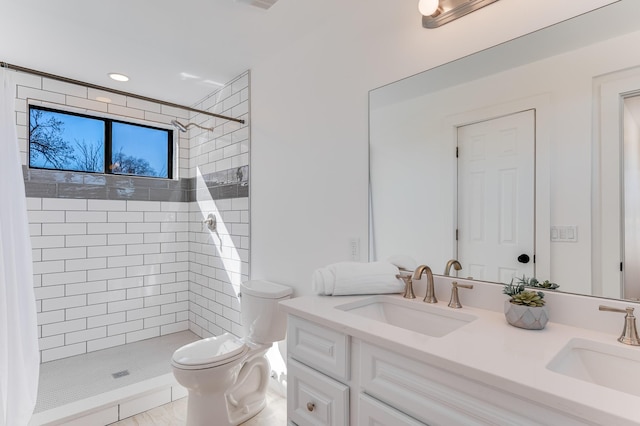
[[110, 272], [219, 262]]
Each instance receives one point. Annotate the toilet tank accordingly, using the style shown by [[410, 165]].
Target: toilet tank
[[262, 319]]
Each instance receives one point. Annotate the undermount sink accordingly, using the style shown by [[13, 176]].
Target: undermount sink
[[613, 366], [413, 315]]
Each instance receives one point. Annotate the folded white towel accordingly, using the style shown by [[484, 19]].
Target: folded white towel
[[407, 263], [339, 279]]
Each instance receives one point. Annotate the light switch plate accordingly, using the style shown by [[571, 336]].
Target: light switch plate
[[564, 233], [354, 249]]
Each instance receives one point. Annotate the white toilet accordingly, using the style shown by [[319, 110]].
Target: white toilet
[[227, 377]]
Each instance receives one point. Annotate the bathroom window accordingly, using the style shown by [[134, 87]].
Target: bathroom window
[[61, 140]]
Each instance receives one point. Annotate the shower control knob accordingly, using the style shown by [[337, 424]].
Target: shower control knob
[[311, 406], [523, 258]]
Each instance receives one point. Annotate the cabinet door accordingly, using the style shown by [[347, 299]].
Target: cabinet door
[[372, 412], [324, 349], [437, 397], [315, 399]]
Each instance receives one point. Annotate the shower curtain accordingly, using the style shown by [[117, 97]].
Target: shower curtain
[[19, 358]]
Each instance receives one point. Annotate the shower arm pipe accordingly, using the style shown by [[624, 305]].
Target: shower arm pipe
[[115, 91]]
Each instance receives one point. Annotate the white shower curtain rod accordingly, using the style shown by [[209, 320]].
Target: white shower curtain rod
[[118, 92]]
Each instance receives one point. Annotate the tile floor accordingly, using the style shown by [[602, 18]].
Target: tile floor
[[76, 378], [175, 414]]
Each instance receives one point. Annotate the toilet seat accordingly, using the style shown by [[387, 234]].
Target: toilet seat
[[210, 352]]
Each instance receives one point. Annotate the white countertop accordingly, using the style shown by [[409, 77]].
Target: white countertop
[[490, 351]]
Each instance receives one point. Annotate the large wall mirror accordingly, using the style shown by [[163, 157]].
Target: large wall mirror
[[522, 159]]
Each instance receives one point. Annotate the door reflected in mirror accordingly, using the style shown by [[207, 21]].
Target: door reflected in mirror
[[414, 176], [631, 184], [495, 181]]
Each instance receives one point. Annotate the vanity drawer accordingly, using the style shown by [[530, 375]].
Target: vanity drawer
[[315, 399], [374, 412], [324, 349], [437, 397]]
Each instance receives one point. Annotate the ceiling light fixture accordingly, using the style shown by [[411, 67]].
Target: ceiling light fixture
[[428, 7], [439, 12], [118, 77], [262, 4]]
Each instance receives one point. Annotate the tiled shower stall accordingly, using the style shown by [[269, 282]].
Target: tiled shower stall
[[119, 259]]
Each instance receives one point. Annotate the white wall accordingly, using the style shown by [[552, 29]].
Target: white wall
[[309, 131]]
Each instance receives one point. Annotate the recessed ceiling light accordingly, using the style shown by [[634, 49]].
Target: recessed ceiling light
[[118, 77]]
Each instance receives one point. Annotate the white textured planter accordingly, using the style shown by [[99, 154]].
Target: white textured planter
[[531, 318]]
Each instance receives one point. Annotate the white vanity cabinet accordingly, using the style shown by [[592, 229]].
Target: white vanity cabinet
[[373, 412], [337, 379], [317, 373], [438, 397]]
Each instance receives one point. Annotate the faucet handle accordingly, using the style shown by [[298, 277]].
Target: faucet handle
[[629, 334], [407, 277], [455, 300]]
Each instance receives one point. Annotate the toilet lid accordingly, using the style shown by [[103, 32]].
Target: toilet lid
[[265, 289], [209, 352]]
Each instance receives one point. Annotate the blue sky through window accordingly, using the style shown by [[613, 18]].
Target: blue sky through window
[[82, 136], [143, 143], [67, 141]]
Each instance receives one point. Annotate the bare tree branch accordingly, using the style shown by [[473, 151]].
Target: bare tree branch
[[90, 157], [45, 141], [126, 164]]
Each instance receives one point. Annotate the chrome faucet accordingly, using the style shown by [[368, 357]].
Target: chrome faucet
[[430, 297], [456, 265], [629, 334]]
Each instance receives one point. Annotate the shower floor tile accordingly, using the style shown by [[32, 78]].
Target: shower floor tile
[[72, 379]]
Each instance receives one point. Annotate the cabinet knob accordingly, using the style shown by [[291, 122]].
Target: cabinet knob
[[311, 406]]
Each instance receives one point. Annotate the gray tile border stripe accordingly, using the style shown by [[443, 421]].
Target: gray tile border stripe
[[226, 184]]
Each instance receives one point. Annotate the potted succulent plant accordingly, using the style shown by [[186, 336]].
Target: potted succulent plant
[[525, 308], [533, 282]]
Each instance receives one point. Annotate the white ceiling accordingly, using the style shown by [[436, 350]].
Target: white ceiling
[[171, 49], [174, 49]]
